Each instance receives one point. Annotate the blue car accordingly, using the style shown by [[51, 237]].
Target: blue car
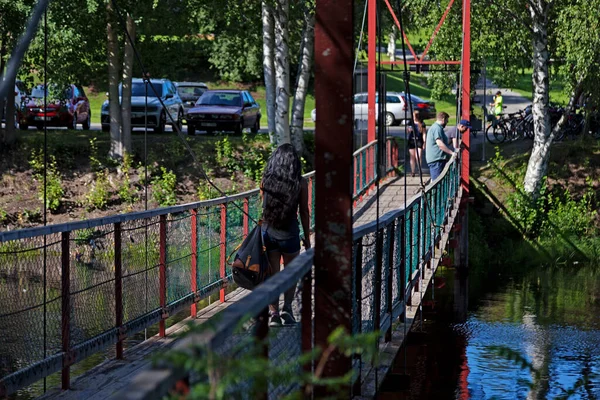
[[154, 114]]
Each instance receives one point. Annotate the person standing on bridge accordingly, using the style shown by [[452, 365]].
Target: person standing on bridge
[[284, 192], [437, 150], [416, 141], [454, 133]]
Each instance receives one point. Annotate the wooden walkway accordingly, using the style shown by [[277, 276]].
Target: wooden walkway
[[107, 379]]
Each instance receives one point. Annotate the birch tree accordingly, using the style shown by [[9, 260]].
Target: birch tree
[[282, 72], [128, 59], [116, 147], [303, 77], [269, 65]]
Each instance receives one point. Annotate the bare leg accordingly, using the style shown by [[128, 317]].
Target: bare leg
[[288, 296], [420, 159], [413, 157], [275, 262]]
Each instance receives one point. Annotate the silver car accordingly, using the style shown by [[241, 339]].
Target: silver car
[[155, 114], [190, 92]]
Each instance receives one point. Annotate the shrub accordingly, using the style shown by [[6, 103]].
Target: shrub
[[95, 164], [54, 190], [163, 188], [99, 194], [127, 193]]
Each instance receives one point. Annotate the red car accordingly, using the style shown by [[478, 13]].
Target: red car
[[66, 107]]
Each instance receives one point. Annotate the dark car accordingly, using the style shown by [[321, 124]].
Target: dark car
[[426, 108], [66, 106], [190, 92], [224, 110]]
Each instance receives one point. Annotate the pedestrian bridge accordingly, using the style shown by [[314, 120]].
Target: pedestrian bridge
[[92, 286]]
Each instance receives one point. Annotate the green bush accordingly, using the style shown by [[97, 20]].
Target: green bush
[[163, 188], [95, 164], [99, 194], [570, 217], [127, 193], [250, 158], [54, 191]]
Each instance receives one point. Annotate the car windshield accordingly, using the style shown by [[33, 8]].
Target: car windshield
[[220, 99], [53, 92], [139, 89], [189, 91]]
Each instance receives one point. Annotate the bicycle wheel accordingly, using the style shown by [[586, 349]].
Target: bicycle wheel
[[495, 134]]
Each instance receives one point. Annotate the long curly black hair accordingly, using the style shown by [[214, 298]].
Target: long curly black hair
[[281, 184]]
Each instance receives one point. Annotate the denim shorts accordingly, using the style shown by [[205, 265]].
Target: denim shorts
[[286, 246]]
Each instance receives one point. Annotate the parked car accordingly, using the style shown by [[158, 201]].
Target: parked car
[[66, 106], [224, 110], [21, 94], [155, 114], [190, 92], [396, 107]]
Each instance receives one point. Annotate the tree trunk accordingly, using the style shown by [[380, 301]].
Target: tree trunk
[[282, 73], [2, 64], [128, 60], [538, 161], [9, 129], [269, 66], [116, 140], [304, 67]]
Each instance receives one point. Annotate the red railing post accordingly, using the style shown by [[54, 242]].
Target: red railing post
[[162, 286], [245, 217], [223, 249], [118, 290], [310, 198], [66, 310], [194, 271]]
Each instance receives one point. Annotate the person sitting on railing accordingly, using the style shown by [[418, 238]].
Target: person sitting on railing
[[284, 191], [436, 146]]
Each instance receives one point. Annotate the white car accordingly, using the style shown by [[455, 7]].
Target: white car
[[20, 97]]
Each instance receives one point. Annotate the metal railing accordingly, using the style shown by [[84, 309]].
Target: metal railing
[[389, 260], [78, 288], [71, 290], [364, 164]]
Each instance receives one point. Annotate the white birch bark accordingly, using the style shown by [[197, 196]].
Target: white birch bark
[[9, 129], [302, 80], [282, 73], [116, 142], [127, 76], [538, 161], [269, 65]]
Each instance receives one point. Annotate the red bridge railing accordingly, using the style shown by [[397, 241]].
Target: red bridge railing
[[78, 288]]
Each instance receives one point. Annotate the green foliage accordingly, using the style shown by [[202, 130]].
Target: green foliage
[[99, 194], [54, 191], [3, 216], [163, 188], [250, 158], [127, 193], [244, 371], [570, 217], [95, 164]]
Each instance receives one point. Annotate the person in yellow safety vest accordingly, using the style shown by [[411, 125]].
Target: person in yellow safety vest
[[498, 103]]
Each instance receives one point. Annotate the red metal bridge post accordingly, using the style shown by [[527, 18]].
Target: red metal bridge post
[[334, 57], [66, 310], [223, 249], [162, 274], [245, 216], [118, 290], [371, 71], [194, 261]]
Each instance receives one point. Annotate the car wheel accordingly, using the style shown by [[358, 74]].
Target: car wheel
[[191, 130], [210, 132], [40, 127], [239, 128], [179, 121], [23, 127], [87, 123], [256, 126], [74, 123], [389, 119], [162, 122], [105, 128]]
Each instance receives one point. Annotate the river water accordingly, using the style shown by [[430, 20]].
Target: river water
[[531, 334]]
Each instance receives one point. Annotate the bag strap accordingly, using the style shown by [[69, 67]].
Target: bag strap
[[228, 260]]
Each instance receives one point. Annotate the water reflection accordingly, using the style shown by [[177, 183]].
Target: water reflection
[[529, 335]]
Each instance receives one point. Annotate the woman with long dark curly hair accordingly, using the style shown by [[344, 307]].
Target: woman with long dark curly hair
[[284, 191]]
